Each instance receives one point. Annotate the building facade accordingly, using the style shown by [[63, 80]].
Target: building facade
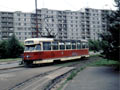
[[22, 25], [6, 24], [86, 24]]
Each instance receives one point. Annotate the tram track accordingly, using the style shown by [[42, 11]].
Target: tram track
[[21, 68], [21, 84], [46, 82], [34, 78]]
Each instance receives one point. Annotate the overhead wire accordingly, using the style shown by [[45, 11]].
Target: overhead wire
[[8, 8], [70, 5]]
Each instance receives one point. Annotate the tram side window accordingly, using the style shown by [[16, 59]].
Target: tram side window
[[83, 45], [38, 47], [55, 45], [78, 45], [87, 46], [73, 45], [68, 45], [46, 45], [62, 46]]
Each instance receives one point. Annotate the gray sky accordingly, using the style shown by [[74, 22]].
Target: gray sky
[[74, 5]]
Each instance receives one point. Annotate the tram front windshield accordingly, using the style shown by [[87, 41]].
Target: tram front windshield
[[32, 47]]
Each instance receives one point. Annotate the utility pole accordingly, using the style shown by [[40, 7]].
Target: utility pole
[[37, 31]]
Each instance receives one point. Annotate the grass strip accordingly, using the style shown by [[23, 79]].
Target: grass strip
[[71, 76], [10, 59], [105, 62]]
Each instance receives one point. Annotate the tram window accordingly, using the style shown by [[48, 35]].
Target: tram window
[[78, 45], [74, 45], [38, 47], [62, 46], [68, 45], [29, 42], [83, 45], [87, 46], [29, 47], [46, 45], [55, 45]]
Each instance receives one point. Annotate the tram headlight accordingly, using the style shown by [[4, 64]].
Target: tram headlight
[[28, 56]]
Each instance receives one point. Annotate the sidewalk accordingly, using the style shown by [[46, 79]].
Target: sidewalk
[[7, 65], [95, 78]]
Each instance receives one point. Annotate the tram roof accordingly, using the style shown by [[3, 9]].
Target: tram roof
[[69, 40], [38, 40], [51, 39]]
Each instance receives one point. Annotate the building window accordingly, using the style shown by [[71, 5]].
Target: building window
[[29, 33], [19, 33], [29, 28], [25, 33], [24, 19], [20, 38], [25, 24], [19, 24], [19, 19], [25, 37], [25, 15], [76, 17], [18, 14], [16, 33]]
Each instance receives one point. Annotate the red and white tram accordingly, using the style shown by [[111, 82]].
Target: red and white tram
[[46, 50]]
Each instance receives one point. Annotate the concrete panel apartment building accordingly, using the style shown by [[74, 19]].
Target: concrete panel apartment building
[[86, 24]]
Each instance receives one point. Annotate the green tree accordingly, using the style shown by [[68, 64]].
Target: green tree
[[94, 45], [4, 49], [14, 47], [112, 39]]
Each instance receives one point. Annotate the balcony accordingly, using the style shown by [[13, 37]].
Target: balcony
[[7, 25]]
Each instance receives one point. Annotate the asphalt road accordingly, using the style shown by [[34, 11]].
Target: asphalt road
[[17, 76], [95, 78]]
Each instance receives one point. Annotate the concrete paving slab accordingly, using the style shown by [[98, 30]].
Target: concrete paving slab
[[95, 78], [10, 65]]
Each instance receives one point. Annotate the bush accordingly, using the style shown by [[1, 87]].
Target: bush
[[3, 49], [94, 45], [11, 48]]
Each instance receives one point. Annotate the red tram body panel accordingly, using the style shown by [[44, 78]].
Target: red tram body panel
[[54, 54]]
